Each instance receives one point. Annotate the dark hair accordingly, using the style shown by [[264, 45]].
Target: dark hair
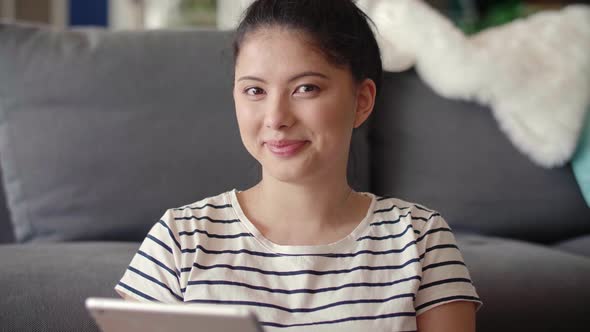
[[338, 28]]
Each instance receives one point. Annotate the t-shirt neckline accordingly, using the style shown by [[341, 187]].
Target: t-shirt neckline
[[347, 242]]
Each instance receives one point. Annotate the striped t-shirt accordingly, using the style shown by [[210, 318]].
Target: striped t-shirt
[[400, 261]]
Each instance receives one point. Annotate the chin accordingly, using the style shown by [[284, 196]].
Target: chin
[[285, 174], [292, 171]]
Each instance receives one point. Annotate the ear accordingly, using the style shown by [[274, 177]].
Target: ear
[[365, 101]]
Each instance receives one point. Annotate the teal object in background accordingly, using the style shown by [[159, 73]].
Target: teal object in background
[[581, 160]]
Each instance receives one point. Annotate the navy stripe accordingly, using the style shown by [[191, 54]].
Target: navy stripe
[[423, 208], [161, 222], [379, 238], [153, 238], [390, 209], [371, 252], [299, 310], [440, 246], [342, 320], [303, 290], [299, 272], [445, 281], [204, 206], [435, 265], [135, 291], [385, 222], [175, 273], [265, 254], [434, 230], [216, 221], [155, 281], [449, 298], [233, 252], [426, 219], [216, 236]]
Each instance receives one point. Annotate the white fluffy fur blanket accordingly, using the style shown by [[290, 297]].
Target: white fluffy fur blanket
[[534, 73]]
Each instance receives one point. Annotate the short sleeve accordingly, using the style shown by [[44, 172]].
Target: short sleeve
[[445, 277], [153, 274]]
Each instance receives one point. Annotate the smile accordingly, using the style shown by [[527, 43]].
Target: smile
[[285, 149]]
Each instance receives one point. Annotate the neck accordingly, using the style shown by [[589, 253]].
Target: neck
[[304, 214], [311, 204]]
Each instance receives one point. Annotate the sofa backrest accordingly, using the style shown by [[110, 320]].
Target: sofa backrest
[[101, 131], [452, 156]]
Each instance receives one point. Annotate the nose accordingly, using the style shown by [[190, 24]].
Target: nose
[[278, 114]]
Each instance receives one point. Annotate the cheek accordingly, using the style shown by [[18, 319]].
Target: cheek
[[334, 123], [336, 115], [247, 123], [241, 112]]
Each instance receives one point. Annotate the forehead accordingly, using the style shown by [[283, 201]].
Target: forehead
[[279, 49]]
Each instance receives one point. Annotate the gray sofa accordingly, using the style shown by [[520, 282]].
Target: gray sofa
[[101, 132]]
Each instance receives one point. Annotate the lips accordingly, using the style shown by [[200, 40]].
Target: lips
[[285, 148]]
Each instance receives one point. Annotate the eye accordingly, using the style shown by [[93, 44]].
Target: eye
[[253, 91], [307, 88]]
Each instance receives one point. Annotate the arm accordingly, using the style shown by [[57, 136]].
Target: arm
[[153, 273], [446, 299], [450, 317]]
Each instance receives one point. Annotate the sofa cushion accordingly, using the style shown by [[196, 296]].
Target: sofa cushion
[[101, 132], [44, 286], [579, 245], [453, 157], [525, 286]]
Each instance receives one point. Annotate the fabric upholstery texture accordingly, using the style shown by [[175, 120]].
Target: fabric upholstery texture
[[50, 281], [578, 245], [82, 162], [530, 274], [452, 157], [76, 156], [511, 275]]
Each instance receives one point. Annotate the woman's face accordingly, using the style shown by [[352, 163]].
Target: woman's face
[[295, 110]]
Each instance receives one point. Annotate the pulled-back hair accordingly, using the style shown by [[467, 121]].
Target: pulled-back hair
[[338, 28]]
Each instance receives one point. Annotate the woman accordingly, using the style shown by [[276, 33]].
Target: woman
[[302, 248]]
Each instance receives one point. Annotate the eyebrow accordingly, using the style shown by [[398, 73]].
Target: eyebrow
[[293, 78]]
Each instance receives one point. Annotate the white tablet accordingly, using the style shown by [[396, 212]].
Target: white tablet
[[117, 315]]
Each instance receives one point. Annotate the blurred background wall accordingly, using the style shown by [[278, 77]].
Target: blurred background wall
[[470, 15]]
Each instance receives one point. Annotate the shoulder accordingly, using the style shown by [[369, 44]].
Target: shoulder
[[418, 216], [213, 210], [395, 206], [206, 205]]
